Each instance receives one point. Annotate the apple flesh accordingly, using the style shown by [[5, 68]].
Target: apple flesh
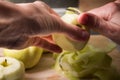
[[11, 69], [29, 56], [64, 42]]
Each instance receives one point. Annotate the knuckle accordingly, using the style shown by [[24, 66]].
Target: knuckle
[[39, 3]]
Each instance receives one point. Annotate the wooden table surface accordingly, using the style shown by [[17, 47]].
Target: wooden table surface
[[44, 69]]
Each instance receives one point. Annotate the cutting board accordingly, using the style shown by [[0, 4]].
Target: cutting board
[[44, 69]]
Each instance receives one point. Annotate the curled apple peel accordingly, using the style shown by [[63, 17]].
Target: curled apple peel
[[64, 42], [90, 63]]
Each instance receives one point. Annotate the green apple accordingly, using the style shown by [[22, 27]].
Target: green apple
[[29, 56], [64, 42], [11, 69]]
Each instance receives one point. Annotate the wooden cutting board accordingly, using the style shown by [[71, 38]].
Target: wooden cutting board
[[44, 69]]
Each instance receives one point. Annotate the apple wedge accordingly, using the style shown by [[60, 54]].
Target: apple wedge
[[64, 42], [11, 69]]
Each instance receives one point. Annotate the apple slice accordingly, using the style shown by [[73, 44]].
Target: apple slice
[[64, 42], [11, 69], [29, 56]]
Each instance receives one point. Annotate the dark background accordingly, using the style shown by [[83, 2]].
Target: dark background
[[62, 3], [54, 3]]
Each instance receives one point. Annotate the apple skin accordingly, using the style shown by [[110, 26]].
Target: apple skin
[[14, 69], [29, 56]]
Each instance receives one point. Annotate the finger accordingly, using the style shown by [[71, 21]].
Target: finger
[[13, 42], [93, 22], [44, 43], [23, 41], [106, 28], [76, 33]]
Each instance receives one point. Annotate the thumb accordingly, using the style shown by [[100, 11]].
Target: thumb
[[95, 22], [75, 32], [106, 28]]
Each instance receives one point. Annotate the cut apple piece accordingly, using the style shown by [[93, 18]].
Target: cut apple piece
[[11, 69], [64, 42]]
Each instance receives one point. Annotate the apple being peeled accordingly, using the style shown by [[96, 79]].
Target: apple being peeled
[[29, 56], [11, 69], [64, 42]]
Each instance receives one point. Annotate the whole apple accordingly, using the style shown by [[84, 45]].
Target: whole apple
[[29, 56], [11, 69]]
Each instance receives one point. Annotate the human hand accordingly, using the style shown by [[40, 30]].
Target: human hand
[[31, 24], [105, 20]]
